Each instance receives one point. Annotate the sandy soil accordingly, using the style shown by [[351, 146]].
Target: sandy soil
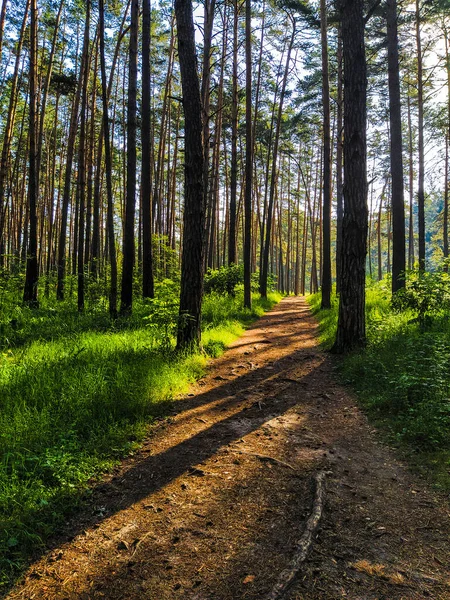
[[212, 506]]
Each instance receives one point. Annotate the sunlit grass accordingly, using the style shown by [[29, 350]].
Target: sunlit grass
[[402, 377], [77, 393]]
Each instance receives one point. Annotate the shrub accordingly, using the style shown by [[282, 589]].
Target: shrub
[[426, 294], [224, 280]]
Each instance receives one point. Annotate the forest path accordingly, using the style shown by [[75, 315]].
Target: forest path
[[201, 513]]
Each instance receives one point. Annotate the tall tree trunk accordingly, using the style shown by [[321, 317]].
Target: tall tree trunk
[[421, 150], [157, 209], [289, 229], [96, 244], [265, 263], [326, 212], [51, 220], [379, 248], [297, 240], [447, 143], [234, 135], [398, 203], [411, 253], [370, 229], [2, 24], [213, 195], [210, 232], [189, 327], [445, 209], [314, 281], [339, 160], [61, 264], [90, 162], [130, 201], [146, 183], [248, 159], [351, 330], [9, 126], [32, 274], [81, 180], [47, 86], [268, 164]]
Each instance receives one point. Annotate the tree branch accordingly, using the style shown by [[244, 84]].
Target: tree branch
[[371, 11], [304, 543]]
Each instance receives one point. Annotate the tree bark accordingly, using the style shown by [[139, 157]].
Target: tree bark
[[351, 330], [126, 298], [81, 182], [421, 150], [2, 24], [234, 134], [396, 157], [148, 290], [339, 161], [411, 252], [248, 159], [10, 118], [189, 326], [447, 143], [326, 200], [30, 296], [210, 233]]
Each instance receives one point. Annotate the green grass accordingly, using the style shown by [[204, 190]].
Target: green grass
[[77, 393], [402, 378], [225, 318]]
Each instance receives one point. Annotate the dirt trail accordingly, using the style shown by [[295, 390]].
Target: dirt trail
[[211, 507]]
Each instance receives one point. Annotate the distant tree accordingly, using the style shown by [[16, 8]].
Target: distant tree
[[32, 274], [146, 183], [108, 168], [447, 144], [396, 155], [339, 160], [70, 152], [9, 127], [81, 179], [2, 23], [126, 298], [208, 168], [189, 327], [326, 211], [274, 169], [234, 139], [248, 159], [421, 147], [351, 330]]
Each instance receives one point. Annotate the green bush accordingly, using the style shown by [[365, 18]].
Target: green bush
[[224, 280], [403, 376], [164, 311], [426, 294], [228, 280]]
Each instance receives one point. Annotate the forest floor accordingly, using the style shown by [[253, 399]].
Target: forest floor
[[213, 504]]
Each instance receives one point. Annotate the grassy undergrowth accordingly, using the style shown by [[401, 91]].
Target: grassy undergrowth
[[78, 392], [402, 378]]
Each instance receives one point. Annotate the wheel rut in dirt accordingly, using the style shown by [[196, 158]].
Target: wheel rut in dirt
[[213, 505]]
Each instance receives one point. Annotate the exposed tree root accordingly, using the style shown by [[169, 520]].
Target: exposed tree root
[[304, 543]]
